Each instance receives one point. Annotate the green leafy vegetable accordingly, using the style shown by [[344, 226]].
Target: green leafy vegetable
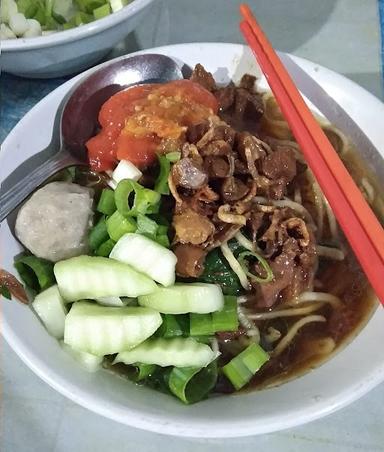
[[191, 384], [138, 372], [5, 293], [173, 325], [37, 274], [218, 271]]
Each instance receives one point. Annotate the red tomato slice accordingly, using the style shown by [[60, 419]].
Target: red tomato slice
[[121, 105]]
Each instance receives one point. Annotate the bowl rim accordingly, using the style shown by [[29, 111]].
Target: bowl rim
[[80, 32], [157, 423]]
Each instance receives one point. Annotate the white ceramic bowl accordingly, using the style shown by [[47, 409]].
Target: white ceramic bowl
[[73, 50], [349, 375]]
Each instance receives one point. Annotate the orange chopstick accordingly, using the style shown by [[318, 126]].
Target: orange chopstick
[[359, 224]]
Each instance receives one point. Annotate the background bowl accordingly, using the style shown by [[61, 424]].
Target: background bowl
[[65, 52], [347, 376]]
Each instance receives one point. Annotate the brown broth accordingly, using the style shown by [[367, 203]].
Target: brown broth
[[344, 279]]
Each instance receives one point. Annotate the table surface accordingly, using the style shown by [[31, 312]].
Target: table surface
[[343, 35]]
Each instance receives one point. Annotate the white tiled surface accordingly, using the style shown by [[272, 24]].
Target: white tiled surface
[[340, 34]]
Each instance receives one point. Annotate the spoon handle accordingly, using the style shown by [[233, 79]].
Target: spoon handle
[[16, 194]]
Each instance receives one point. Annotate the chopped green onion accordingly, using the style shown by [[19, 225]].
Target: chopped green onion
[[98, 234], [27, 7], [242, 258], [209, 324], [102, 11], [173, 156], [89, 5], [173, 325], [117, 225], [5, 293], [161, 184], [162, 236], [163, 240], [40, 15], [36, 273], [105, 248], [200, 324], [144, 200], [241, 369], [162, 229], [226, 319], [146, 226], [106, 204], [82, 18], [192, 384]]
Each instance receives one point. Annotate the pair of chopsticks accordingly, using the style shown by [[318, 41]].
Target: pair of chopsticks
[[359, 224]]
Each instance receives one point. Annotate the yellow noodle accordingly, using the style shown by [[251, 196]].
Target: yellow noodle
[[235, 266], [291, 312], [251, 329], [246, 243], [288, 338], [322, 297]]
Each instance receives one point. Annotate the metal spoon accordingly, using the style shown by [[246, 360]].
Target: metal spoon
[[77, 122]]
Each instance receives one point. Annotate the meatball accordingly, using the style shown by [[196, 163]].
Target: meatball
[[54, 223]]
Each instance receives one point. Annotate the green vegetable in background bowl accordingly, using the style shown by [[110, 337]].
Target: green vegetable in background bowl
[[30, 18]]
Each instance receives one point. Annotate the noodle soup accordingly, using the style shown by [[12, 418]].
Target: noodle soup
[[210, 238]]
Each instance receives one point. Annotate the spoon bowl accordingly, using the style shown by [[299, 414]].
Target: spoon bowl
[[79, 121]]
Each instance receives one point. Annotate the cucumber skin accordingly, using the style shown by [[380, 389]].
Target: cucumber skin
[[146, 256], [49, 306], [102, 330], [178, 352], [93, 277], [185, 298]]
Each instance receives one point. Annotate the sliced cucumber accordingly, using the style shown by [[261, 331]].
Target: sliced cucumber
[[112, 301], [89, 362], [146, 256], [94, 277], [102, 330], [178, 352], [200, 298], [49, 306]]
